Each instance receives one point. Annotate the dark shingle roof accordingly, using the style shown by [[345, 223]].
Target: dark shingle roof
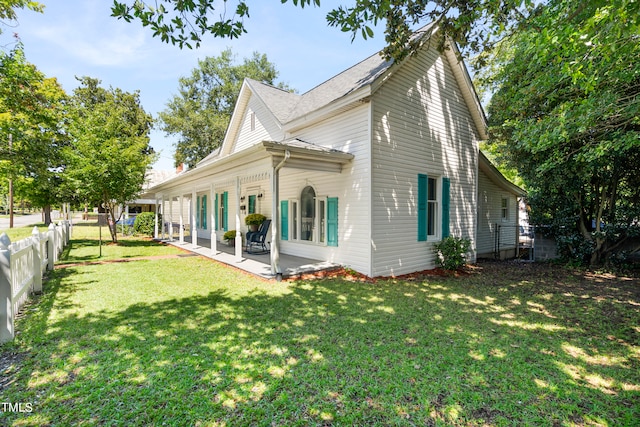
[[288, 106]]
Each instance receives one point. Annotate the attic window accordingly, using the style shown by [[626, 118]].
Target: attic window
[[253, 121]]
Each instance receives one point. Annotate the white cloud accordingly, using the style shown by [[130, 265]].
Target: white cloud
[[83, 34]]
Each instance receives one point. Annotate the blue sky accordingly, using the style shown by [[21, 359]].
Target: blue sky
[[80, 38]]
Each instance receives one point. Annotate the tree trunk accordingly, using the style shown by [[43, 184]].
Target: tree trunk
[[112, 226], [46, 210]]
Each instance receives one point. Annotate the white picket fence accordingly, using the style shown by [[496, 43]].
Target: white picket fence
[[22, 265]]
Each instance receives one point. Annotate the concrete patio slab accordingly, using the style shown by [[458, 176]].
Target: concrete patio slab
[[256, 264]]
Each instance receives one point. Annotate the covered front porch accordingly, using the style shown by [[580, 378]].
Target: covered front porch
[[256, 264], [205, 204]]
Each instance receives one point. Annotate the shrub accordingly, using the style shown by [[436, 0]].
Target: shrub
[[254, 219], [451, 252], [145, 223], [229, 235]]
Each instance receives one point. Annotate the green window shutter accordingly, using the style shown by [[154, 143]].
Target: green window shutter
[[332, 221], [215, 212], [252, 204], [225, 211], [422, 207], [446, 185], [204, 212], [198, 211], [284, 220]]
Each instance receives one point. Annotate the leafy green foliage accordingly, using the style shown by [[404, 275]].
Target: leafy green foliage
[[145, 223], [229, 235], [184, 22], [110, 151], [452, 252], [565, 113], [7, 8], [201, 111], [33, 114], [470, 24], [254, 219]]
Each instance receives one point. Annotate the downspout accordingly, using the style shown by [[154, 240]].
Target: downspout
[[275, 208]]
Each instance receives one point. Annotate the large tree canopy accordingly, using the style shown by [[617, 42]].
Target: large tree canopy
[[32, 110], [471, 24], [201, 111], [109, 153], [566, 114]]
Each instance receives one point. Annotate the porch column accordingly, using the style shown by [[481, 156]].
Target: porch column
[[194, 226], [155, 220], [212, 220], [171, 219], [238, 232], [275, 233], [164, 217], [181, 231]]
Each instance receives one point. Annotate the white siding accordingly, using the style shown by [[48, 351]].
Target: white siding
[[266, 128], [421, 125], [347, 132], [490, 220]]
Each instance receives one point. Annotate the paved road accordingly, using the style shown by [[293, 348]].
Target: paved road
[[21, 220]]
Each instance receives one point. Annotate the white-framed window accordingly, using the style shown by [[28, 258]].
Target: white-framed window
[[504, 209], [308, 218], [293, 219], [307, 213], [432, 207], [433, 202], [253, 121]]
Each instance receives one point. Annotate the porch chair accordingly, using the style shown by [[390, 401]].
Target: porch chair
[[256, 240]]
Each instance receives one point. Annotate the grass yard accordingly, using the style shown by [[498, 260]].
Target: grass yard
[[85, 246], [19, 233], [188, 342]]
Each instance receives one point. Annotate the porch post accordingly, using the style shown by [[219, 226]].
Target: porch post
[[275, 233], [164, 217], [194, 226], [171, 219], [155, 220], [212, 220], [238, 232], [181, 231]]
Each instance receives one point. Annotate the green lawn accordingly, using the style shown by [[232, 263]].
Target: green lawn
[[187, 342], [85, 246], [20, 233]]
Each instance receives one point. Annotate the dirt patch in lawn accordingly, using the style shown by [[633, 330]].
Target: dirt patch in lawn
[[9, 366]]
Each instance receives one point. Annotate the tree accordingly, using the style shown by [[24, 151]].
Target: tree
[[7, 8], [471, 24], [32, 130], [42, 183], [201, 111], [109, 152], [566, 114]]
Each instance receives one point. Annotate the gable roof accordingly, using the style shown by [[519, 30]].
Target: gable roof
[[356, 83], [288, 107], [485, 165]]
